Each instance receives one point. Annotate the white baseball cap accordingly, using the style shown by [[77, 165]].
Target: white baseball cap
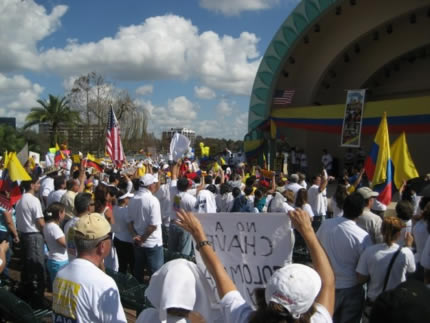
[[294, 287], [148, 179]]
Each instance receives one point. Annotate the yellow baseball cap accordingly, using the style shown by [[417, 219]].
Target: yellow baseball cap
[[92, 226]]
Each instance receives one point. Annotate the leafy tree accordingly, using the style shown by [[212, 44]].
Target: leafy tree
[[54, 112], [12, 139]]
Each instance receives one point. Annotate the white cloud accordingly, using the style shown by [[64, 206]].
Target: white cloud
[[145, 90], [223, 109], [204, 92], [162, 47], [235, 7], [17, 96], [22, 25]]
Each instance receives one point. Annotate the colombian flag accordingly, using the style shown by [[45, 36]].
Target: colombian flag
[[378, 164], [59, 156], [93, 162]]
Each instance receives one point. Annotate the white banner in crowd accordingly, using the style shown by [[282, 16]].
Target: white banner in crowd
[[250, 246], [353, 119]]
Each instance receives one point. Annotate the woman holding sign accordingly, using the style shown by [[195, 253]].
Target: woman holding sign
[[295, 293]]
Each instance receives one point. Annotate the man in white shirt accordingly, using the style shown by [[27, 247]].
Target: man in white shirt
[[30, 223], [344, 241], [327, 161], [144, 215], [82, 292], [369, 221], [47, 185], [317, 196], [179, 239], [293, 184], [59, 190]]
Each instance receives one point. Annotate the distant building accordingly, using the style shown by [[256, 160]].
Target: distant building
[[84, 138], [167, 136], [8, 121]]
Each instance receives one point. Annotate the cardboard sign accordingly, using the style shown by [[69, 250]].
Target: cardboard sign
[[251, 247]]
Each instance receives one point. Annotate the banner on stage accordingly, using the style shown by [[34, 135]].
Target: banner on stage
[[251, 247], [353, 119]]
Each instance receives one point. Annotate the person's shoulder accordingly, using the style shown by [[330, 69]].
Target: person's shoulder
[[321, 315]]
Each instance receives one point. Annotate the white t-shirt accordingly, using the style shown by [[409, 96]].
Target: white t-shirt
[[374, 262], [206, 202], [55, 196], [28, 210], [337, 212], [46, 187], [236, 310], [425, 256], [317, 200], [344, 241], [420, 237], [183, 200], [407, 228], [163, 195], [120, 227], [306, 207], [52, 232], [224, 202], [144, 210], [295, 187], [70, 238], [84, 293]]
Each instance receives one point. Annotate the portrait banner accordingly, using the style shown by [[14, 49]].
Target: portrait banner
[[353, 119], [251, 247]]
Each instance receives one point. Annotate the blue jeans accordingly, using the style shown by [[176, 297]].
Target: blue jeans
[[150, 258], [53, 267], [349, 304], [180, 240]]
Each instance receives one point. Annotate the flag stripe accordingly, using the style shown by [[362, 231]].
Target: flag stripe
[[113, 140], [283, 97]]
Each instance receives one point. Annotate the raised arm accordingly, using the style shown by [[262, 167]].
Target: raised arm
[[223, 282], [301, 221]]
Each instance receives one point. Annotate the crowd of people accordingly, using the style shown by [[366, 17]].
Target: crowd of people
[[71, 225]]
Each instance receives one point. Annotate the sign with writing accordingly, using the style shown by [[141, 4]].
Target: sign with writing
[[251, 247], [353, 119]]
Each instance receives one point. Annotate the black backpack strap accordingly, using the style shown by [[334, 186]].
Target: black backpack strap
[[387, 275]]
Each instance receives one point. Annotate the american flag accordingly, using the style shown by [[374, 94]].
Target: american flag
[[283, 97], [113, 139]]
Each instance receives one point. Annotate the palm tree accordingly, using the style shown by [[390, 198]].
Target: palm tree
[[54, 111]]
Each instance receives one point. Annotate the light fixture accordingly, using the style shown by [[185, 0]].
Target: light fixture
[[285, 74]]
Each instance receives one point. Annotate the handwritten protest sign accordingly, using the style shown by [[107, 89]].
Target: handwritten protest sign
[[250, 246]]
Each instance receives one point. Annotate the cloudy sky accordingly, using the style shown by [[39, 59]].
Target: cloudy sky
[[189, 63]]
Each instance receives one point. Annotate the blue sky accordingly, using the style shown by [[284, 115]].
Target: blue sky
[[188, 63]]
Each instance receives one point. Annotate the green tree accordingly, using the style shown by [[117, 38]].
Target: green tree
[[54, 111]]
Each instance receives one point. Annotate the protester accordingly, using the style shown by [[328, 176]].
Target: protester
[[144, 218], [68, 198], [58, 192], [123, 241], [30, 223], [47, 185], [302, 202], [84, 205], [338, 200], [55, 239], [384, 265], [82, 292], [317, 196], [295, 291], [404, 211], [8, 233], [344, 241], [421, 234], [368, 221]]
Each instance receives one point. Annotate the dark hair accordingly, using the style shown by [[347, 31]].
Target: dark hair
[[225, 188], [353, 206], [208, 179], [248, 190], [82, 202], [212, 188], [53, 211], [236, 192], [250, 181], [70, 183], [404, 210], [113, 177], [182, 184], [302, 197], [59, 181], [26, 185], [340, 195], [407, 194]]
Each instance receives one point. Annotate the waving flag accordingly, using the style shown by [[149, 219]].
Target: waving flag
[[404, 167], [59, 156], [378, 164], [94, 162], [113, 139]]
